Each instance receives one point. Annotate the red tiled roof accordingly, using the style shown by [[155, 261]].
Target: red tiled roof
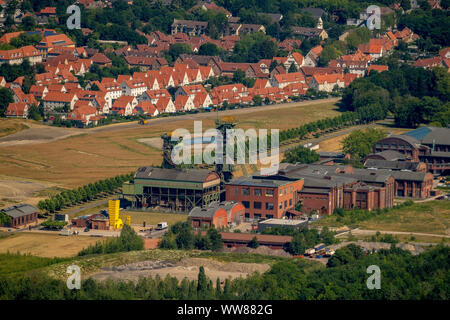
[[379, 68], [16, 109]]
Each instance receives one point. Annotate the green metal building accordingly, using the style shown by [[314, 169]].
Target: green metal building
[[174, 189]]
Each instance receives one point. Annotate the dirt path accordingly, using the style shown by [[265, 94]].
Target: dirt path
[[42, 133], [373, 232]]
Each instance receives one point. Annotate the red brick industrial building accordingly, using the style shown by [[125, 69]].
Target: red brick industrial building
[[232, 239], [21, 215], [264, 197], [219, 215], [430, 145]]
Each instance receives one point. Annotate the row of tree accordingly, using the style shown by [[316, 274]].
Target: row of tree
[[83, 194], [343, 120]]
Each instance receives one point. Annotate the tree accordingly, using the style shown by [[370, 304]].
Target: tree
[[257, 100], [238, 76], [177, 49], [215, 239], [5, 220], [254, 243], [359, 143], [202, 284], [210, 49]]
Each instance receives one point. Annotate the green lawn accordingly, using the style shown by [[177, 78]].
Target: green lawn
[[425, 217]]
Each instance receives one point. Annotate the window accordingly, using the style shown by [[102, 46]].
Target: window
[[269, 193], [285, 203], [246, 204], [281, 192], [290, 202], [290, 189], [281, 205], [257, 192], [269, 206], [285, 190], [245, 191], [247, 215], [269, 216], [236, 191], [257, 215], [257, 205]]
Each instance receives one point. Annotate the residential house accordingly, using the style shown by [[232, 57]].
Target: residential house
[[154, 95], [202, 100], [17, 56], [429, 63], [327, 82], [378, 68], [101, 59], [191, 27], [55, 99], [190, 90], [133, 88], [184, 103], [309, 32], [85, 113], [312, 58], [283, 80], [124, 105], [17, 110], [146, 108], [165, 105]]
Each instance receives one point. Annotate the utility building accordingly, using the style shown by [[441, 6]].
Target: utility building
[[174, 189]]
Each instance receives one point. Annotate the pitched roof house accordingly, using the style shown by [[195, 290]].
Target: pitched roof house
[[124, 105]]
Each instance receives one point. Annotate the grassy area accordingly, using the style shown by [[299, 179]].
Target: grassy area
[[426, 217], [15, 265], [10, 126], [45, 244]]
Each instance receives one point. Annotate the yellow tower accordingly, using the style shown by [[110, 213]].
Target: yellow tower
[[113, 210]]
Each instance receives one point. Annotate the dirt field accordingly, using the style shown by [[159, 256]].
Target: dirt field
[[45, 245], [186, 268], [15, 190]]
